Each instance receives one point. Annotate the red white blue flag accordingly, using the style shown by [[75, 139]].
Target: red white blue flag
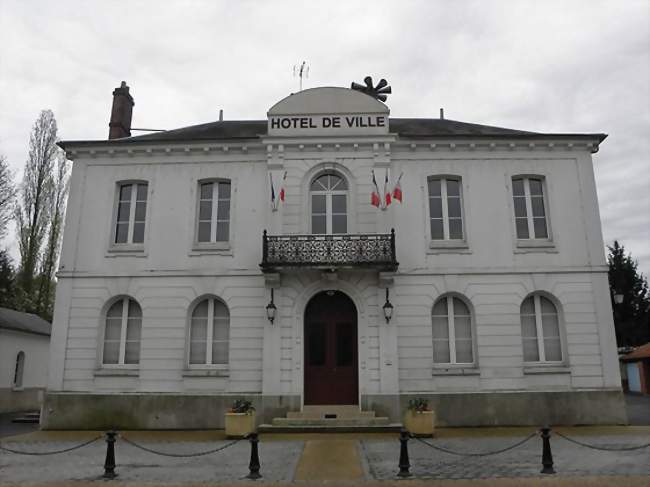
[[397, 191], [375, 199]]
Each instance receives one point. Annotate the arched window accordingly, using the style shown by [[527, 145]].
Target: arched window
[[209, 333], [329, 203], [540, 330], [452, 332], [122, 333], [19, 370]]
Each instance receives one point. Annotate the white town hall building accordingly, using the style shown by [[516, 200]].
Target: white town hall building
[[172, 301]]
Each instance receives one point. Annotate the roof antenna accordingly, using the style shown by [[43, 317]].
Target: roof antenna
[[302, 71], [221, 115], [442, 114]]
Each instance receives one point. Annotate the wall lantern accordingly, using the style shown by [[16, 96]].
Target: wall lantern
[[271, 309], [618, 298], [388, 308]]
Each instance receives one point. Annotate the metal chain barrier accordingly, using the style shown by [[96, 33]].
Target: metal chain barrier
[[18, 452], [482, 454], [178, 455], [602, 448]]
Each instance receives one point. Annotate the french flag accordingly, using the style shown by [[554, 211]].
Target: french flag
[[282, 188], [273, 204], [387, 200], [397, 191], [375, 199]]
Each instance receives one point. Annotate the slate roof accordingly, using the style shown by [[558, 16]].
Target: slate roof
[[404, 127], [640, 353], [29, 323]]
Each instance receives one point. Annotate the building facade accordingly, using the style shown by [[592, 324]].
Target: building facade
[[24, 360], [180, 245]]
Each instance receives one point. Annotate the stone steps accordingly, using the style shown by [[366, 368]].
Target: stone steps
[[328, 419], [330, 422], [330, 428], [31, 418]]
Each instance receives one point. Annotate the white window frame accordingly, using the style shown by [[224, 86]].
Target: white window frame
[[451, 330], [445, 209], [209, 335], [123, 326], [129, 245], [328, 203], [213, 243], [529, 208], [541, 352]]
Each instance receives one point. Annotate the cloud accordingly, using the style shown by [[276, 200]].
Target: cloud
[[555, 66]]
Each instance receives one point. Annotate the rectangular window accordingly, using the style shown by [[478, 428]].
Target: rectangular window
[[530, 213], [131, 213], [214, 212], [445, 209]]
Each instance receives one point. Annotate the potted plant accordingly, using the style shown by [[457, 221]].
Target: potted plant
[[240, 419], [419, 419]]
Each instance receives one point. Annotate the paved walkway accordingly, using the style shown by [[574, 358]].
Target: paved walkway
[[333, 459]]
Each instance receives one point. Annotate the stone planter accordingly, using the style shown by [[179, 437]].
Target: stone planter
[[239, 425], [420, 423]]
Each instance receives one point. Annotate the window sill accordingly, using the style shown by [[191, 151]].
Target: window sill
[[17, 388], [126, 250], [220, 372], [130, 372], [448, 247], [524, 246], [216, 248], [467, 370], [546, 369]]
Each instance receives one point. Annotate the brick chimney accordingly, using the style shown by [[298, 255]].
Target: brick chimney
[[120, 125]]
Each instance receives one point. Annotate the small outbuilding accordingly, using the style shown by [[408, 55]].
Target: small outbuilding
[[24, 356], [637, 366]]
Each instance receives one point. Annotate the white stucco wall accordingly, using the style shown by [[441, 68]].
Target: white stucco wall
[[491, 272], [36, 358]]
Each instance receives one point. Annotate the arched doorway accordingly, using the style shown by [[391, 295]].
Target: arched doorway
[[331, 351]]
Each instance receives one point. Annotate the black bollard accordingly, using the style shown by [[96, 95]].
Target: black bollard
[[109, 463], [547, 456], [254, 465], [404, 464]]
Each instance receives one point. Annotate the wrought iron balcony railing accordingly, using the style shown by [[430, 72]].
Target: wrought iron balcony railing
[[329, 251]]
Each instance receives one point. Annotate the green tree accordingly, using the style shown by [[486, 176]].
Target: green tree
[[7, 281], [632, 315], [7, 194], [33, 210]]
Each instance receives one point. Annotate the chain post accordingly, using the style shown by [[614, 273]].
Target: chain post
[[109, 463], [254, 465], [404, 464], [547, 455]]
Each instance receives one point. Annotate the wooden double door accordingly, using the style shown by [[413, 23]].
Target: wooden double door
[[331, 352]]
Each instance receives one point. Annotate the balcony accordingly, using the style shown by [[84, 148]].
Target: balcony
[[370, 251]]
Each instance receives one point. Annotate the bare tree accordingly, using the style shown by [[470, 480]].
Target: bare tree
[[33, 208], [60, 186], [7, 194]]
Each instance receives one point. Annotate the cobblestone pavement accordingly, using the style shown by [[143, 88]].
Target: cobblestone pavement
[[523, 461], [278, 461], [280, 455]]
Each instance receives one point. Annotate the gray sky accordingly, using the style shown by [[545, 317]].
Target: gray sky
[[569, 66]]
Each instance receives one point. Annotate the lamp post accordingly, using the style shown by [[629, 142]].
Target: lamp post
[[388, 309], [271, 309]]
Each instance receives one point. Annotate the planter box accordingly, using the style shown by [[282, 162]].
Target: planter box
[[420, 423], [239, 425]]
